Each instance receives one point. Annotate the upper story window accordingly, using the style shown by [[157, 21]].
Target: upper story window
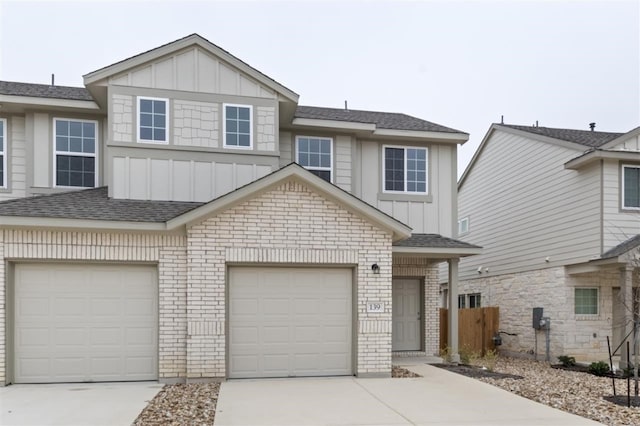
[[238, 126], [75, 152], [463, 225], [3, 152], [153, 116], [405, 169], [586, 301], [631, 187], [316, 155]]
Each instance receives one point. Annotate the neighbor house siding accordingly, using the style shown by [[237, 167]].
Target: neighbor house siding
[[288, 225], [618, 224], [524, 207]]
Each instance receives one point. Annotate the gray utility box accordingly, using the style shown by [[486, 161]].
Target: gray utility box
[[537, 317]]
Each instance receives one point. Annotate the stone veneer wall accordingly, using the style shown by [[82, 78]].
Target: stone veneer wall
[[168, 251], [122, 118], [581, 336], [196, 124], [427, 271], [266, 128], [286, 225]]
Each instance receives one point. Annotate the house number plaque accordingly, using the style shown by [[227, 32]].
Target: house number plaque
[[375, 307]]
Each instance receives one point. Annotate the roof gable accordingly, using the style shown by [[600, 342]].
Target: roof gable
[[191, 57]]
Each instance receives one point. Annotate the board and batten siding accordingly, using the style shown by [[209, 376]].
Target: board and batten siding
[[15, 149], [524, 206], [193, 70], [618, 225], [433, 213]]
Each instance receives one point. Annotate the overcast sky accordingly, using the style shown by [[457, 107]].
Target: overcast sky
[[460, 64]]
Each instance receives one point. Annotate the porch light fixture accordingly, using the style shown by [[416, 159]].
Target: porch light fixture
[[375, 268]]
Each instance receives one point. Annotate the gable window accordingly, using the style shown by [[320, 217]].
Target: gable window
[[463, 225], [3, 153], [586, 301], [153, 116], [75, 153], [238, 126], [316, 155], [405, 169], [631, 187]]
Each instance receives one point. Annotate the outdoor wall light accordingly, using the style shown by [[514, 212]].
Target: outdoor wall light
[[375, 268]]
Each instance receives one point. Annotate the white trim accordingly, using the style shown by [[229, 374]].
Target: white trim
[[166, 124], [75, 154], [575, 305], [627, 166], [4, 152], [384, 167], [53, 102], [224, 126], [330, 168]]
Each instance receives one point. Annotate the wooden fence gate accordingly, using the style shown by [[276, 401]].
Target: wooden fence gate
[[476, 328]]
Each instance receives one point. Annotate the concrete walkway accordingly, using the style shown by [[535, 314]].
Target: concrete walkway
[[438, 398], [75, 404]]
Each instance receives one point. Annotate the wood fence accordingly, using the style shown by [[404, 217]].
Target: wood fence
[[476, 328]]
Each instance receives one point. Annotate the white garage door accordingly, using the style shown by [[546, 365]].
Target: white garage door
[[288, 322], [85, 323]]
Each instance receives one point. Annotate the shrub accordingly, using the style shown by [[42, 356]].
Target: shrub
[[489, 359], [567, 361], [446, 354], [599, 368], [468, 356]]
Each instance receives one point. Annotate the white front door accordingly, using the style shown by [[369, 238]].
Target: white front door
[[406, 315]]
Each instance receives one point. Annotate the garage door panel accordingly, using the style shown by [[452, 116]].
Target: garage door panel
[[101, 324], [299, 322]]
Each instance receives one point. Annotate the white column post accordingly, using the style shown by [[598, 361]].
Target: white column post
[[626, 290], [452, 312]]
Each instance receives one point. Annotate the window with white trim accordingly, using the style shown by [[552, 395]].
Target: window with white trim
[[475, 300], [3, 153], [586, 301], [461, 301], [153, 119], [631, 187], [405, 169], [316, 155], [463, 225], [238, 126], [75, 144]]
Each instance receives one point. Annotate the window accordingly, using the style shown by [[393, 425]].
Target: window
[[463, 226], [153, 116], [631, 187], [471, 300], [461, 301], [405, 170], [3, 153], [238, 126], [586, 302], [75, 152], [474, 300], [315, 155]]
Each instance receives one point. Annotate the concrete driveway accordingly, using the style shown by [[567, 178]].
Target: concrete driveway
[[438, 398], [75, 404]]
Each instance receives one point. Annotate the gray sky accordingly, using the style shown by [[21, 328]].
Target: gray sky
[[461, 64]]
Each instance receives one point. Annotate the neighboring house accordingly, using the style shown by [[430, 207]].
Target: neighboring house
[[157, 227], [557, 212]]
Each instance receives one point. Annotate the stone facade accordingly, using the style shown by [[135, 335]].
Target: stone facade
[[122, 118], [266, 128], [581, 336], [196, 124]]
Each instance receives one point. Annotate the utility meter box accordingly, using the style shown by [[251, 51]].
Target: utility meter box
[[537, 317]]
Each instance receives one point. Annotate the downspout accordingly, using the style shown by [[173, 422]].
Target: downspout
[[601, 206]]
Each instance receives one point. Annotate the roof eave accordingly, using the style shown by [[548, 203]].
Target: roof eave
[[49, 102], [595, 155], [93, 224], [438, 252], [622, 138], [457, 138]]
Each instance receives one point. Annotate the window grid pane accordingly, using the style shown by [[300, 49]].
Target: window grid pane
[[152, 120], [75, 144], [394, 169], [632, 187], [586, 301], [314, 154], [238, 126]]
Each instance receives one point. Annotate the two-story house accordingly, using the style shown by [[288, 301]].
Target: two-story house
[[182, 218], [557, 212]]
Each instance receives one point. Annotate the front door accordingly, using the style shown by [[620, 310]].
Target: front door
[[406, 314]]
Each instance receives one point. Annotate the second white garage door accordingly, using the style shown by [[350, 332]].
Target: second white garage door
[[290, 322]]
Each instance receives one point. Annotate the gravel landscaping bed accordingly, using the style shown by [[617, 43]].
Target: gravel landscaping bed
[[579, 393]]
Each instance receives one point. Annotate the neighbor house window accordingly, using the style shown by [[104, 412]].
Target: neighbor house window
[[461, 301], [586, 301], [153, 119], [474, 300], [316, 155], [238, 126], [405, 169], [3, 153], [75, 152], [631, 187], [463, 226]]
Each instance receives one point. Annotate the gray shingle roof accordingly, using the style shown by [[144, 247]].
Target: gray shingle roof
[[94, 204], [382, 120], [622, 248], [583, 137], [44, 91], [433, 240]]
